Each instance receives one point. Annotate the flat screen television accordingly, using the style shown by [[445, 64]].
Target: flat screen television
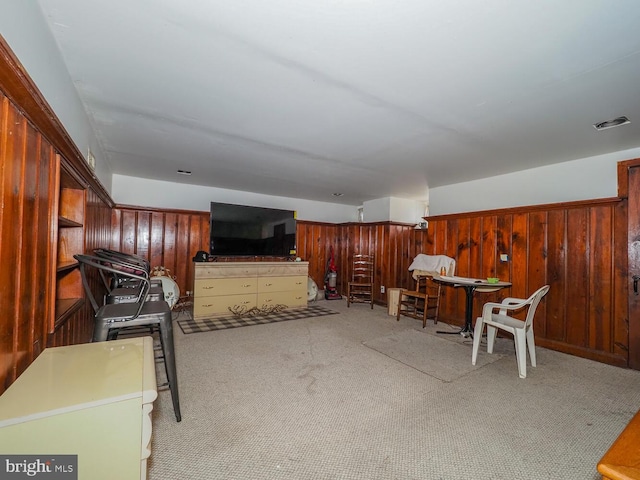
[[240, 230]]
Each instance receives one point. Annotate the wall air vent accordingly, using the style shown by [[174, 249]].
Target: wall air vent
[[616, 122]]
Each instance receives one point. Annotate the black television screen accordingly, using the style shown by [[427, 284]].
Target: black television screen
[[240, 230]]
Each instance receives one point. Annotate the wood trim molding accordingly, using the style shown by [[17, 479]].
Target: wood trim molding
[[312, 222], [159, 210], [526, 209], [351, 224], [623, 176], [21, 90]]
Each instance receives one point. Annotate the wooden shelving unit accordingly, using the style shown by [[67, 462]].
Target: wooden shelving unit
[[69, 293]]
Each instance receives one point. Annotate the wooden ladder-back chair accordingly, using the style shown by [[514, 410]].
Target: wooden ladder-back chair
[[411, 303], [360, 288], [424, 302], [425, 284]]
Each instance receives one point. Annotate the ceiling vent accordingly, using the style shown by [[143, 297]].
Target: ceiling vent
[[616, 122]]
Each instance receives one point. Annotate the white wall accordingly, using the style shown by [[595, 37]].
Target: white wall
[[158, 194], [377, 210], [23, 27], [394, 209], [406, 211], [584, 179]]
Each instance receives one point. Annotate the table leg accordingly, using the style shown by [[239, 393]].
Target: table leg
[[468, 327], [467, 330]]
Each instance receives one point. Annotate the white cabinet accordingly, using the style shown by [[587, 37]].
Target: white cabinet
[[93, 400], [240, 286]]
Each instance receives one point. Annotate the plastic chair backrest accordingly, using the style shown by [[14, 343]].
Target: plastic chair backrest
[[535, 300], [532, 302]]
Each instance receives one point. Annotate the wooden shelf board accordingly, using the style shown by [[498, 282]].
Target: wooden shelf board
[[66, 222], [63, 267], [65, 307]]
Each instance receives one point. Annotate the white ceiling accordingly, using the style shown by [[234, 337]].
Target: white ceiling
[[370, 98]]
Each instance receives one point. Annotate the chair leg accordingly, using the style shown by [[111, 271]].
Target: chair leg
[[100, 331], [521, 351], [166, 340], [531, 345], [477, 335], [424, 313], [491, 337]]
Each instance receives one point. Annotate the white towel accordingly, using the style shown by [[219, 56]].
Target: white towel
[[433, 263]]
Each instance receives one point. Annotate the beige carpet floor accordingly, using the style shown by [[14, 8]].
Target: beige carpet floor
[[433, 355], [360, 396]]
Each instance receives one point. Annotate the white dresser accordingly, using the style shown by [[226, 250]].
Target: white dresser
[[93, 400], [219, 287]]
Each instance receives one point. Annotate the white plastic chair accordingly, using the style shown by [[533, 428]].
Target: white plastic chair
[[522, 331]]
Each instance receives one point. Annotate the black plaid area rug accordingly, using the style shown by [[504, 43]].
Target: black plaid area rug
[[220, 323]]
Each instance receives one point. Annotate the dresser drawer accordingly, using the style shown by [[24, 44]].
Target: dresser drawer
[[225, 286], [283, 268], [211, 306], [219, 270], [290, 299], [244, 285], [280, 284]]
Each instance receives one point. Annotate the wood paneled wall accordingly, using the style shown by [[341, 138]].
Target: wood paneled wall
[[31, 139], [393, 244], [578, 248], [313, 241], [628, 189], [28, 168], [28, 191], [168, 238]]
